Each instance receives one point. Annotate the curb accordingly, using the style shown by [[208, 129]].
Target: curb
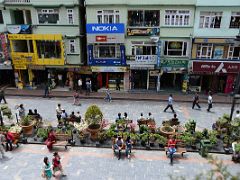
[[115, 98]]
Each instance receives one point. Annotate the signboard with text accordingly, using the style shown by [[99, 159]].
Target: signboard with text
[[215, 67], [148, 59], [143, 31], [105, 28]]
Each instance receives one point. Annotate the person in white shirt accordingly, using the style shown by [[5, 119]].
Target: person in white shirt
[[170, 104], [80, 85], [150, 116], [141, 117], [60, 80], [237, 114], [59, 112], [210, 101]]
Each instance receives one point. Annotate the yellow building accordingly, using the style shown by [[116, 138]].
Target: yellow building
[[35, 50]]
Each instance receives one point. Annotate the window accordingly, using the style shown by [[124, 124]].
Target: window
[[1, 17], [175, 48], [144, 50], [106, 51], [143, 18], [177, 17], [49, 49], [204, 51], [72, 46], [70, 16], [108, 16], [235, 20], [234, 52], [48, 16], [210, 19]]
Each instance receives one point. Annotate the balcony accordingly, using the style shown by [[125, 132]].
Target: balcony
[[17, 1]]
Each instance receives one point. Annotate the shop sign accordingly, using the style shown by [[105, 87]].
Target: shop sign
[[151, 59], [20, 36], [20, 66], [5, 67], [108, 69], [105, 28], [105, 38], [141, 66], [216, 67], [36, 67], [143, 31], [130, 58], [174, 63], [19, 29], [4, 55]]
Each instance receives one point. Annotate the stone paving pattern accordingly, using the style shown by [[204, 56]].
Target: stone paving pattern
[[46, 108], [25, 163]]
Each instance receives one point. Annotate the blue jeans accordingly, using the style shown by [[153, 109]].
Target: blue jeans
[[128, 149], [108, 98], [171, 151]]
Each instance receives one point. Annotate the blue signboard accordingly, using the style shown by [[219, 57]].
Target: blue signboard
[[158, 54], [105, 28], [106, 62]]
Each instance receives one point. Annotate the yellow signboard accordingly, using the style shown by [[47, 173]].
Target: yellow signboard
[[20, 66]]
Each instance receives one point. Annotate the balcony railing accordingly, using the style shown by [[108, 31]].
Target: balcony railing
[[17, 1]]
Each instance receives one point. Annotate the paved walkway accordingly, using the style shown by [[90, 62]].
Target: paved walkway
[[150, 96], [25, 163]]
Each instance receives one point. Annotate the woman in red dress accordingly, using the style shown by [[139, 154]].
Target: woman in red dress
[[51, 139]]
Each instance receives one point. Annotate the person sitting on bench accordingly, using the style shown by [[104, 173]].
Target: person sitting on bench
[[172, 145], [150, 116], [30, 112], [37, 115], [119, 146], [141, 117], [51, 139], [72, 117], [128, 146], [119, 117]]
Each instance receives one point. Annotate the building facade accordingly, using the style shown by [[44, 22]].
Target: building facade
[[143, 22], [44, 38], [215, 53]]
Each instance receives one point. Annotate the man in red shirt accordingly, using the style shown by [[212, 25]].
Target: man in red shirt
[[9, 141], [172, 146]]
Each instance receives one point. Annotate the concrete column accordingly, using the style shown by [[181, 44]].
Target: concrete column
[[147, 79], [126, 82]]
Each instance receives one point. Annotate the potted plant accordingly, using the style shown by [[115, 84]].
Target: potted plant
[[42, 133], [93, 117], [144, 139], [6, 111], [143, 129], [161, 140], [111, 134], [134, 137], [236, 154], [190, 126], [16, 131], [152, 139], [166, 130], [27, 125], [188, 139], [102, 137]]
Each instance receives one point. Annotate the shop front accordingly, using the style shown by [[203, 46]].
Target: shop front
[[110, 77], [174, 72], [106, 55], [215, 76]]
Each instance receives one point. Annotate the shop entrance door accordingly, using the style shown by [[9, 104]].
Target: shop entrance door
[[140, 79]]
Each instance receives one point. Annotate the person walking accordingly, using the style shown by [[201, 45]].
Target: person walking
[[108, 95], [2, 139], [170, 104], [59, 112], [2, 96], [80, 85], [46, 90], [57, 166], [210, 101], [118, 82], [21, 111], [88, 87], [9, 141], [47, 169], [196, 101]]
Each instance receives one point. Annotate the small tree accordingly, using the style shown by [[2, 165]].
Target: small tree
[[93, 115]]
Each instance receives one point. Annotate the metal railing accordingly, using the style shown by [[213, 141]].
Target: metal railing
[[17, 1]]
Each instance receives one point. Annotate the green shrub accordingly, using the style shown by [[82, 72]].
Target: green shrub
[[93, 115]]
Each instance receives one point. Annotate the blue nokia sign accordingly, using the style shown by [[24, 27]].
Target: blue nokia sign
[[105, 28]]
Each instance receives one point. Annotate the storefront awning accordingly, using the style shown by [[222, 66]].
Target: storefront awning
[[141, 66], [109, 69]]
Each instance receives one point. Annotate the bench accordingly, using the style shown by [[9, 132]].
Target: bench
[[179, 150], [62, 140]]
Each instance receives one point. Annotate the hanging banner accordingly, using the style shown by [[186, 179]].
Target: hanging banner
[[143, 31]]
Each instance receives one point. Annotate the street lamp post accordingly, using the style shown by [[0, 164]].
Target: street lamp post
[[156, 39]]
